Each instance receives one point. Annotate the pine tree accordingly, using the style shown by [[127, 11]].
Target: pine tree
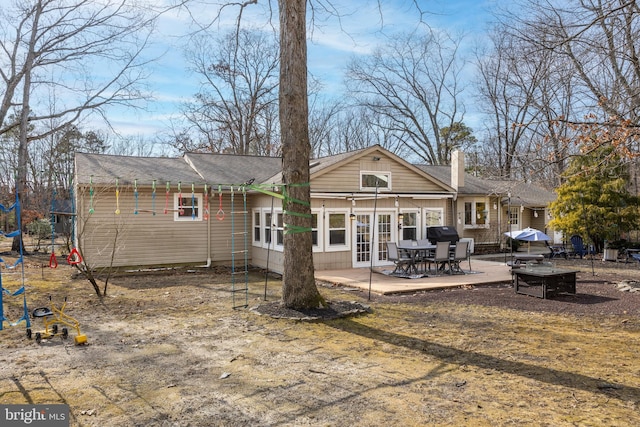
[[594, 201]]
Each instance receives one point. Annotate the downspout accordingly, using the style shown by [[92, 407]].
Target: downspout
[[208, 217], [208, 264]]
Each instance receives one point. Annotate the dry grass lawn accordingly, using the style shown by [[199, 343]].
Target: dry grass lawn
[[168, 350]]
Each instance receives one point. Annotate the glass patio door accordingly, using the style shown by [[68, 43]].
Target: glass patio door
[[370, 238]]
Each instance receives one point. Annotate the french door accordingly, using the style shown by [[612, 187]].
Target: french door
[[370, 237]]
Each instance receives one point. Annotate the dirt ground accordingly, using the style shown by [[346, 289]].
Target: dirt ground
[[169, 350]]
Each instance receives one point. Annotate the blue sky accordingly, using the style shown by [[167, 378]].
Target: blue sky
[[331, 45]]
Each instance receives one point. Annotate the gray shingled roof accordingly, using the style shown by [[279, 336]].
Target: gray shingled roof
[[526, 194], [104, 169], [324, 162], [234, 169], [318, 164], [522, 193], [191, 168], [472, 184], [229, 169]]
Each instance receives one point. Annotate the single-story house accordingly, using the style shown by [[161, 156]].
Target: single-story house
[[204, 209]]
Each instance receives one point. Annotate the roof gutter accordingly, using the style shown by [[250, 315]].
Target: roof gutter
[[369, 196]]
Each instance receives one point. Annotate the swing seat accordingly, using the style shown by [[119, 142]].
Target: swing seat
[[42, 312]]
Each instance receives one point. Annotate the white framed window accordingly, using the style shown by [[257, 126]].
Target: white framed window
[[256, 216], [514, 215], [316, 235], [433, 217], [336, 236], [279, 229], [267, 228], [409, 225], [186, 207], [372, 180], [476, 214]]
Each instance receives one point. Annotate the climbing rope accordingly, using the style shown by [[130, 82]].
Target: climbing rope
[[135, 196], [90, 195], [193, 201], [117, 198]]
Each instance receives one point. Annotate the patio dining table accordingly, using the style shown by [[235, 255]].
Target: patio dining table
[[415, 252]]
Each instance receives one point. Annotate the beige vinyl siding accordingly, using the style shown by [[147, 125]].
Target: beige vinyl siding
[[150, 240], [540, 222], [347, 177]]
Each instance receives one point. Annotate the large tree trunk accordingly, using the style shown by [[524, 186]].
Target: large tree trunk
[[298, 286], [23, 153]]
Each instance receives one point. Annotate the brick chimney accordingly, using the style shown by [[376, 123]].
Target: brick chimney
[[457, 169]]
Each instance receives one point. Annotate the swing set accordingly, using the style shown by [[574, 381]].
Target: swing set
[[22, 290], [239, 228], [74, 256]]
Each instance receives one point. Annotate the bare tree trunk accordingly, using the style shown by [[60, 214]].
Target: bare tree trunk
[[23, 155], [298, 286]]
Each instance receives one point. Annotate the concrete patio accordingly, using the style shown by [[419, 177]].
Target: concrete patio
[[483, 273]]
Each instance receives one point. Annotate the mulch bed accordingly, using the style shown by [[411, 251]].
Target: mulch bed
[[335, 310], [597, 292]]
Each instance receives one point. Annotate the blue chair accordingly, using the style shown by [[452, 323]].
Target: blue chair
[[578, 246]]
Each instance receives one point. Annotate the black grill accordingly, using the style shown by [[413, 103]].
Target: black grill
[[442, 234]]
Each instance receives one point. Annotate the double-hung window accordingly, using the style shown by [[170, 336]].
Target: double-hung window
[[186, 207], [257, 230], [279, 229], [476, 214], [268, 228], [409, 226], [336, 230], [433, 217], [514, 216], [316, 237]]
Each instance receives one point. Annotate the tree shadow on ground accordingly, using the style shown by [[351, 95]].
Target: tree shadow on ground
[[470, 358]]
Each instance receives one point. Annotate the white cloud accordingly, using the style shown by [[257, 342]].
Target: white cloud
[[362, 26]]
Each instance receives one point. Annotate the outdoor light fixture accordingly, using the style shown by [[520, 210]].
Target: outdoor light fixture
[[535, 214], [400, 220], [376, 158], [495, 205], [352, 216]]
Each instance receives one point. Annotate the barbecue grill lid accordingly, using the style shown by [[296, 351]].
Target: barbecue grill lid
[[442, 234]]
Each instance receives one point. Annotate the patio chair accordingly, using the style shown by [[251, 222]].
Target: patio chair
[[424, 255], [556, 251], [578, 246], [401, 261], [461, 253], [441, 257]]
